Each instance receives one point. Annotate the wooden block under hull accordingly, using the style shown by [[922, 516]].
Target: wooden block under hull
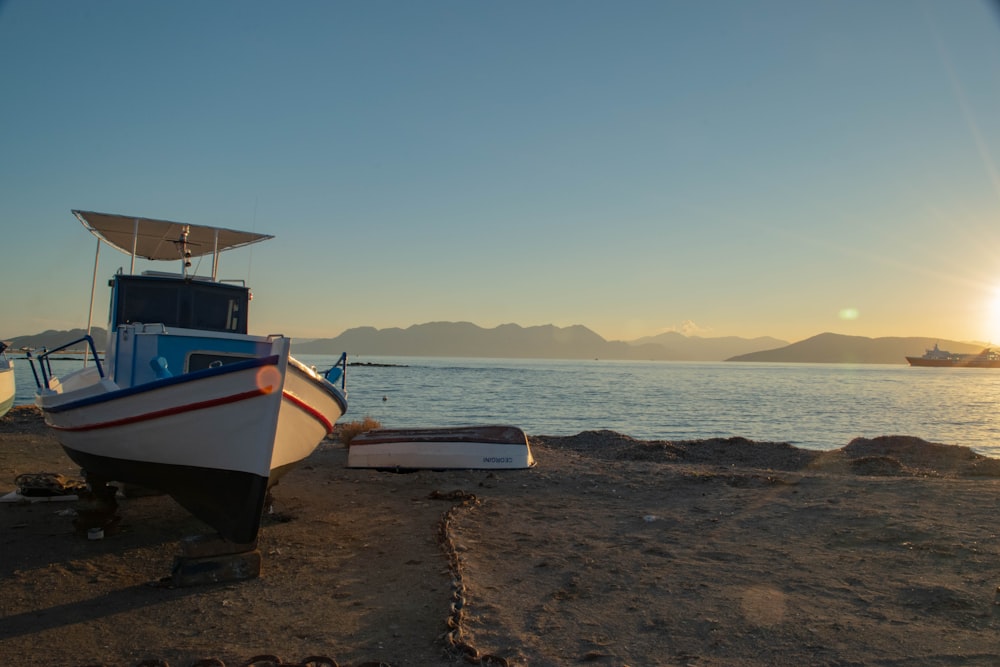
[[213, 546]]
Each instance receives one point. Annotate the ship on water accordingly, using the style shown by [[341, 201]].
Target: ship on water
[[988, 358]]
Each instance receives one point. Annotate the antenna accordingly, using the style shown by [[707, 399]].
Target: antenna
[[184, 249]]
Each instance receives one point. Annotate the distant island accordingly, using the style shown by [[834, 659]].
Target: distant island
[[464, 339], [831, 348], [51, 339]]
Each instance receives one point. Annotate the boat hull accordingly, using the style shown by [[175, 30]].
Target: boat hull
[[7, 388], [230, 501], [215, 440], [472, 447]]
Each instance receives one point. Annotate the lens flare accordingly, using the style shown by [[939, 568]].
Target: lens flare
[[268, 379], [849, 313]]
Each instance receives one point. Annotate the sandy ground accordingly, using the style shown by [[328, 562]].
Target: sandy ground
[[611, 551]]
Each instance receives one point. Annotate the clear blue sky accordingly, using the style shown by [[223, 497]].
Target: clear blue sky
[[741, 167]]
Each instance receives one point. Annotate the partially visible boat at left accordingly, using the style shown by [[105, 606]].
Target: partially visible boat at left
[[186, 401], [7, 385]]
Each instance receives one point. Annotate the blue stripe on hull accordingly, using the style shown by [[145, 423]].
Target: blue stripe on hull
[[186, 378]]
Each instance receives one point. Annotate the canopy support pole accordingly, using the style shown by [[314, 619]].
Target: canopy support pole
[[215, 256], [93, 289], [135, 243]]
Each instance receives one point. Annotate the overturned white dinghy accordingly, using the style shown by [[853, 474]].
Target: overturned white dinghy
[[490, 447]]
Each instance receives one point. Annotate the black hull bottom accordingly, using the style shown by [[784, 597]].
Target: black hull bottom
[[230, 502]]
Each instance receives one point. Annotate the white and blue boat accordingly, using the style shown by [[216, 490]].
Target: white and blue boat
[[186, 401]]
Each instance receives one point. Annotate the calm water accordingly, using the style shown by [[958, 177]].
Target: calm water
[[818, 406]]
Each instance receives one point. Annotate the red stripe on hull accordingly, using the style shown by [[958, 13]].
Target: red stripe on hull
[[168, 412], [309, 410]]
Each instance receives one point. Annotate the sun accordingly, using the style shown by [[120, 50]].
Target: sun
[[992, 315]]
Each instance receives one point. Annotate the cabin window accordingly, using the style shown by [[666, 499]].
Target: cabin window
[[214, 310], [180, 303], [149, 303]]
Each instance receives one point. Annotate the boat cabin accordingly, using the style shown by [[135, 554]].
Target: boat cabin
[[164, 325], [175, 301]]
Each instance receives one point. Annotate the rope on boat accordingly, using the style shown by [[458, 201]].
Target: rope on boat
[[455, 638]]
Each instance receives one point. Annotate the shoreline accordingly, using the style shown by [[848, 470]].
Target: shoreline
[[610, 551], [810, 406]]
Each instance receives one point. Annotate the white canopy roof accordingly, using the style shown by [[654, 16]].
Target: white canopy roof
[[162, 239]]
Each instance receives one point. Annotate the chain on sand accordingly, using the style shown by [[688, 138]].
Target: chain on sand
[[259, 661], [455, 637]]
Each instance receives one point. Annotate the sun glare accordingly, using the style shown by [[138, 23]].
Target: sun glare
[[992, 325]]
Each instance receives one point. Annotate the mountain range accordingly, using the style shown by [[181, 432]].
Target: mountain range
[[52, 339], [464, 339], [830, 348]]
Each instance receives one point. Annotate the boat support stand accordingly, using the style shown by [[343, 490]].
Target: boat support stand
[[97, 509], [209, 559]]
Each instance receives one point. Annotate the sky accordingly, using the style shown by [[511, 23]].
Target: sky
[[719, 168]]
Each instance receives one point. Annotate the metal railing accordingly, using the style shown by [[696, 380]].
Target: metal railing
[[341, 374], [45, 364]]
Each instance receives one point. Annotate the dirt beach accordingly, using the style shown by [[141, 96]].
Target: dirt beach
[[611, 551]]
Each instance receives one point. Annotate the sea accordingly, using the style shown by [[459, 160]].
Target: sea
[[812, 406]]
